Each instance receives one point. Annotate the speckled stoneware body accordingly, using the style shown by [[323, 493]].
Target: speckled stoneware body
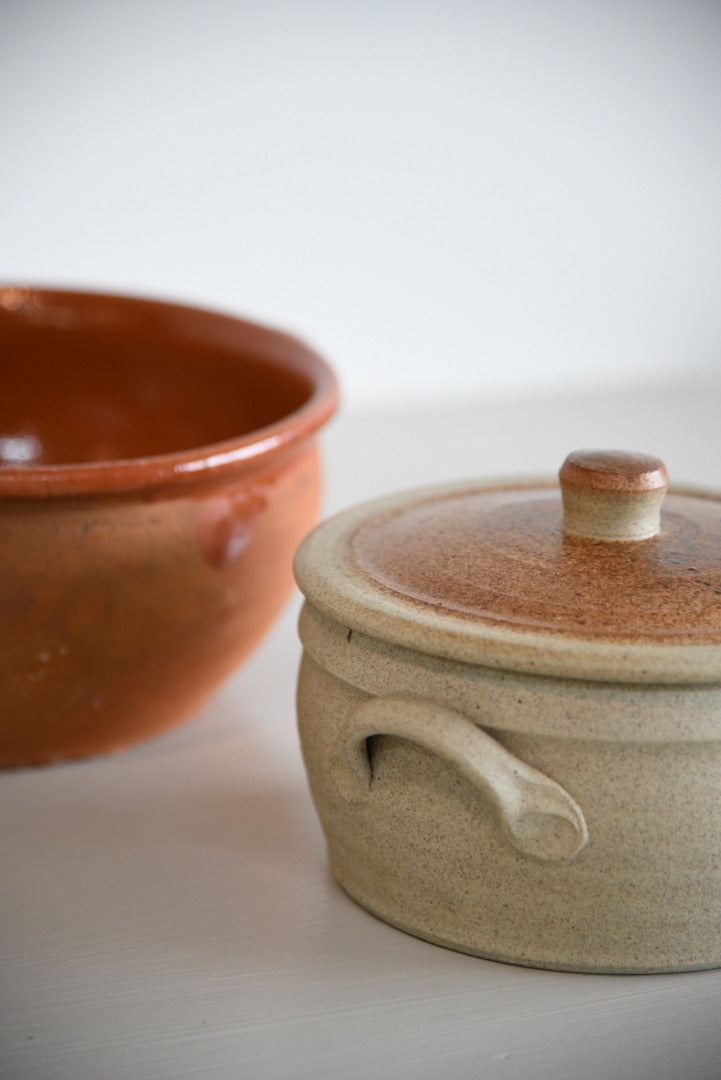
[[510, 715], [158, 467]]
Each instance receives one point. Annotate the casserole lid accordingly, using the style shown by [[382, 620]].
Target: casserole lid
[[608, 577]]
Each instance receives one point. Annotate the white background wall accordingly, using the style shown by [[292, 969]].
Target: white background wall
[[446, 197]]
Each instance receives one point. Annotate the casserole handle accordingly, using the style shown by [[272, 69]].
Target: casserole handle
[[538, 817]]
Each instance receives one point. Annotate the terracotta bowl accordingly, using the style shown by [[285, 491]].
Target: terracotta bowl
[[158, 467]]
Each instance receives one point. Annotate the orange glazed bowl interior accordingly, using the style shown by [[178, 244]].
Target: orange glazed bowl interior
[[158, 468]]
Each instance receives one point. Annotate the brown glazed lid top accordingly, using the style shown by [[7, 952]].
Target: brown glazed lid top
[[609, 577]]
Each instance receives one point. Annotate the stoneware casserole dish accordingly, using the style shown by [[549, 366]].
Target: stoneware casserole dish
[[158, 468], [510, 713]]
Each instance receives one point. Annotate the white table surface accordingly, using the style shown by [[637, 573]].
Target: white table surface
[[168, 912]]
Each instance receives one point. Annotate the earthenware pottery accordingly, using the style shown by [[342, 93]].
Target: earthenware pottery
[[158, 467], [510, 713]]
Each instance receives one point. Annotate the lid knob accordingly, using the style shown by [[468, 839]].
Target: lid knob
[[612, 495]]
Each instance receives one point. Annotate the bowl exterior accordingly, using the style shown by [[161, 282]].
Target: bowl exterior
[[121, 613]]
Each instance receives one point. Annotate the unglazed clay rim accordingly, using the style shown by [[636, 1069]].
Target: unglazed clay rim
[[213, 462], [338, 588]]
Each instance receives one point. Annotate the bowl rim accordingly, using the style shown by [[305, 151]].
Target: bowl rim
[[212, 463]]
